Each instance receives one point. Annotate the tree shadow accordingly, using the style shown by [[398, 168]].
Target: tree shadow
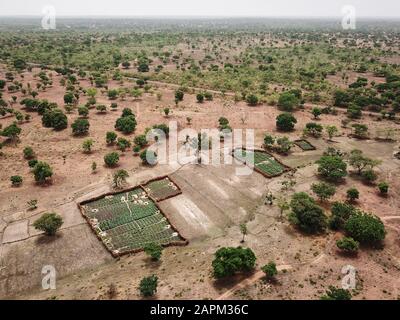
[[44, 239]]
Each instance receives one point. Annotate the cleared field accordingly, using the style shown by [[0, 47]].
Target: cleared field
[[162, 188], [129, 220], [263, 162], [304, 145]]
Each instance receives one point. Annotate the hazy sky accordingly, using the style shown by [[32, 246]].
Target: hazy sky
[[331, 8]]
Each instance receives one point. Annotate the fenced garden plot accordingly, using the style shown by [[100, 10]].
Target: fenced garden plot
[[304, 145], [262, 161], [162, 188], [126, 221]]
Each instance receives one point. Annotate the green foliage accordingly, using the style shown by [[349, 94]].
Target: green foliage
[[348, 245], [323, 190], [270, 270], [352, 194], [306, 214], [12, 131], [54, 118], [383, 188], [316, 112], [16, 181], [332, 168], [111, 137], [126, 124], [83, 111], [200, 97], [179, 94], [42, 172], [87, 145], [148, 157], [119, 178], [288, 101], [361, 162], [336, 294], [154, 250], [111, 159], [49, 223], [123, 144], [313, 129], [369, 176], [80, 126], [148, 286], [28, 153], [252, 100], [141, 140], [341, 212], [285, 122], [365, 228], [229, 261]]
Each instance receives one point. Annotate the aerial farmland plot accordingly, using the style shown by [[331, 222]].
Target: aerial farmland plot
[[127, 221]]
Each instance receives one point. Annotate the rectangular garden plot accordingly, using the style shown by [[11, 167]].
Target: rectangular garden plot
[[304, 145], [162, 188], [262, 161], [127, 221]]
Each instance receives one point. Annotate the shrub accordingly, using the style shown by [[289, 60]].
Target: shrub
[[288, 101], [49, 223], [140, 140], [179, 94], [83, 111], [336, 294], [306, 214], [270, 270], [332, 168], [111, 137], [80, 126], [12, 131], [348, 245], [200, 97], [54, 118], [154, 250], [148, 286], [323, 190], [252, 100], [42, 171], [365, 228], [369, 176], [230, 260], [313, 129], [28, 153], [87, 145], [126, 124], [383, 188], [352, 194], [123, 144], [32, 163], [285, 122], [16, 181], [341, 212], [111, 159]]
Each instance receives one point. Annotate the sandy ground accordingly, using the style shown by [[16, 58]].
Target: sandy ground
[[213, 203]]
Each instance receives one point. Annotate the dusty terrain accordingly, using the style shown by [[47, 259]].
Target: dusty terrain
[[208, 213]]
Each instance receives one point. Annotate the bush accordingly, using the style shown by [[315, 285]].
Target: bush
[[111, 159], [341, 212], [352, 194], [252, 100], [87, 145], [383, 188], [285, 122], [49, 223], [200, 98], [154, 250], [16, 181], [270, 270], [123, 144], [32, 163], [80, 127], [42, 171], [323, 190], [306, 214], [148, 286], [288, 101], [369, 176], [126, 124], [12, 131], [111, 137], [28, 153], [336, 294], [230, 260], [140, 140], [348, 245], [83, 111], [332, 168], [54, 118], [365, 228], [179, 94]]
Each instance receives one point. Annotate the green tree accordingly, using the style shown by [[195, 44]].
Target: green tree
[[323, 190], [229, 261], [12, 132], [148, 286], [123, 144], [28, 153], [141, 140], [179, 94], [119, 178], [243, 230], [200, 98], [332, 168], [16, 181], [288, 101], [148, 157], [316, 112], [42, 172], [348, 245], [352, 194], [285, 122], [306, 214], [111, 137], [80, 126], [252, 100], [87, 145], [332, 131], [383, 188], [111, 159], [49, 223], [126, 124], [83, 111], [365, 228], [360, 162], [154, 250], [270, 270]]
